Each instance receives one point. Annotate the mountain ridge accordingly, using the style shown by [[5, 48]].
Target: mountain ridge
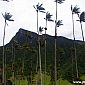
[[20, 36]]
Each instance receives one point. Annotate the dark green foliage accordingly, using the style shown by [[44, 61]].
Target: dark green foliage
[[26, 54]]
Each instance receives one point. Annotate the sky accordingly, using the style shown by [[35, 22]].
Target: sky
[[24, 16]]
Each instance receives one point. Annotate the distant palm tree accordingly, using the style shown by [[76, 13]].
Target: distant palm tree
[[82, 19], [40, 31], [75, 10], [7, 17], [48, 18], [39, 8], [60, 2]]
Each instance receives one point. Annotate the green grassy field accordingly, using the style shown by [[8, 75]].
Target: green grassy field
[[59, 82]]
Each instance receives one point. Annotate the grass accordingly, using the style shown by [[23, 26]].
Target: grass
[[25, 82], [83, 79]]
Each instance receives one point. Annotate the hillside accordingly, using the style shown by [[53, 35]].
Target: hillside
[[22, 50]]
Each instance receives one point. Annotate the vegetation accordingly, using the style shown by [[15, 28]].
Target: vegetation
[[30, 54]]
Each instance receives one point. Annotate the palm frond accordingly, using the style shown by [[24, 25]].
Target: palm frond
[[48, 15], [60, 1], [75, 10], [40, 29], [39, 7], [59, 23], [6, 0], [11, 20], [42, 11], [50, 20], [82, 17]]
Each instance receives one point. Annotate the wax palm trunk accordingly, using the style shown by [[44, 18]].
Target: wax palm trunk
[[55, 43], [82, 31], [40, 63], [7, 16], [4, 54], [57, 1], [75, 49], [82, 19], [40, 9], [39, 51], [45, 53]]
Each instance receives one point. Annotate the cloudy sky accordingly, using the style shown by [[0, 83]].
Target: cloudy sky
[[25, 17]]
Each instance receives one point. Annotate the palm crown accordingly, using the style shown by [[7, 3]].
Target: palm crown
[[82, 17], [48, 16], [6, 0], [59, 23], [75, 10], [7, 16], [40, 29], [59, 1], [39, 7]]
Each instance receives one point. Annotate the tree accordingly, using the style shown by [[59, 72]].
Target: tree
[[48, 18], [60, 2], [7, 17], [75, 10], [82, 19], [39, 8]]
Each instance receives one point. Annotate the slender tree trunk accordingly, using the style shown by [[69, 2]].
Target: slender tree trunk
[[31, 71], [55, 44], [73, 28], [76, 65], [37, 69], [72, 64], [82, 31], [13, 61], [5, 69], [45, 54], [37, 23], [37, 52], [40, 63], [4, 55], [75, 49], [23, 65]]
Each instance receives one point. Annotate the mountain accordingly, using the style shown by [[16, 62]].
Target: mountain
[[23, 49], [22, 34]]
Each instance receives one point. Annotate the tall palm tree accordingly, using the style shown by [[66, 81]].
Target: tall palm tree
[[75, 10], [60, 2], [82, 19], [7, 17], [58, 24], [40, 31], [39, 8], [48, 18]]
